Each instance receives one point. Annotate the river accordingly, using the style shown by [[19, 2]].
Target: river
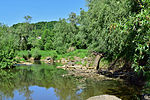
[[46, 82]]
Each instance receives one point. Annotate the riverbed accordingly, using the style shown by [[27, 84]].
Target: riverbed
[[46, 82]]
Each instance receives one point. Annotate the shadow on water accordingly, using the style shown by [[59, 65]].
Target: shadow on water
[[45, 82], [37, 62]]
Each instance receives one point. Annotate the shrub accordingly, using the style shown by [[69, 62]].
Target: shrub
[[36, 54], [27, 55], [7, 47]]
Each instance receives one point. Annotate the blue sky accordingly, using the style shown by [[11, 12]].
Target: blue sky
[[13, 11]]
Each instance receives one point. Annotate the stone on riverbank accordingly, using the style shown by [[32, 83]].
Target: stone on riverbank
[[48, 60], [104, 97], [24, 64]]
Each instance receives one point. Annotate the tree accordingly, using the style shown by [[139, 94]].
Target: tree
[[27, 19], [66, 31], [46, 40], [24, 30], [62, 39], [8, 44]]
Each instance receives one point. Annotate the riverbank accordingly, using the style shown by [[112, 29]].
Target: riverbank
[[83, 63]]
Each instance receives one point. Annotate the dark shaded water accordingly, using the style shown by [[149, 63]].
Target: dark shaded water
[[45, 82]]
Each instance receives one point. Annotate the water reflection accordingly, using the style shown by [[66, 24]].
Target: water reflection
[[44, 82]]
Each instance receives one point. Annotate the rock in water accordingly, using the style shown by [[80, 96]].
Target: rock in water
[[146, 97], [104, 97], [49, 60]]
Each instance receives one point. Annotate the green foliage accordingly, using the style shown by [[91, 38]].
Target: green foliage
[[28, 18], [119, 29], [62, 38], [44, 25], [78, 53], [27, 55], [36, 51], [104, 63], [102, 16], [34, 35], [78, 63], [7, 58], [36, 54], [21, 53], [23, 32], [66, 31], [7, 47], [130, 40], [47, 38], [141, 40]]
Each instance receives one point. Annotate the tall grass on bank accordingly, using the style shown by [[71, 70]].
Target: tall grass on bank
[[52, 53]]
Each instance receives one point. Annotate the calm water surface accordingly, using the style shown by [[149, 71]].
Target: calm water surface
[[45, 82]]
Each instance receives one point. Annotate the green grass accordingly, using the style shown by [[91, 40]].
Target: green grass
[[79, 53], [104, 63], [21, 53], [78, 63], [43, 54]]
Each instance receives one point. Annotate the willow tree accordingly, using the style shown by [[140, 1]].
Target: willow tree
[[101, 19], [120, 29]]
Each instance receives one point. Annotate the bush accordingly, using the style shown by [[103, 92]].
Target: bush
[[48, 45], [7, 58], [7, 47], [36, 54], [27, 55]]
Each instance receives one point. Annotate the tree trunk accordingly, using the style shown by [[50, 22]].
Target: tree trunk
[[97, 61]]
